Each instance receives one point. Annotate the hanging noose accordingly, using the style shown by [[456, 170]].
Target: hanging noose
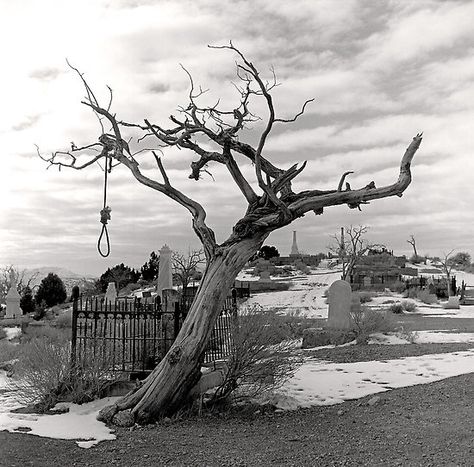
[[105, 212]]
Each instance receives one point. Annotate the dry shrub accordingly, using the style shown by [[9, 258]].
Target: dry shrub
[[261, 358], [64, 320], [369, 320], [8, 351], [398, 287], [408, 306], [365, 296], [412, 292], [42, 366], [425, 297], [43, 374], [396, 308]]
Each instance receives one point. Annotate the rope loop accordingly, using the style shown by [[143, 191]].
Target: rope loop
[[104, 231]]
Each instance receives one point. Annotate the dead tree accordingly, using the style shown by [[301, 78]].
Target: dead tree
[[350, 246], [10, 274], [412, 242], [185, 267], [272, 204]]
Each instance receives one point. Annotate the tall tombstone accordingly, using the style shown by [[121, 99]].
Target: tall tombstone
[[340, 300], [111, 293], [165, 273], [13, 302]]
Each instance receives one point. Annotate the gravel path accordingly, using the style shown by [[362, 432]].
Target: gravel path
[[423, 425], [416, 426]]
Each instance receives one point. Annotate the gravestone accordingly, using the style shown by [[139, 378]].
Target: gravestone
[[165, 273], [111, 293], [340, 301], [169, 299], [452, 303], [13, 302], [265, 276]]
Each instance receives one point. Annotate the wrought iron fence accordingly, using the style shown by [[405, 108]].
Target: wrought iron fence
[[133, 335]]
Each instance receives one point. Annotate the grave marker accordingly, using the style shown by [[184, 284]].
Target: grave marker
[[340, 300]]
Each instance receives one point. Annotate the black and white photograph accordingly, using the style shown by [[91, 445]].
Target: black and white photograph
[[237, 233]]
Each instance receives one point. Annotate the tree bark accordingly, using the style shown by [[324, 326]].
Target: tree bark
[[167, 387]]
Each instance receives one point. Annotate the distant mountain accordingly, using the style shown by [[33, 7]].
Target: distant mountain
[[69, 278], [63, 273]]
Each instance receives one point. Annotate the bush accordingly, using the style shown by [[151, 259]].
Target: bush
[[369, 320], [398, 287], [40, 311], [65, 320], [412, 292], [408, 306], [27, 302], [3, 334], [416, 259], [365, 297], [396, 308], [426, 297], [43, 374], [260, 359], [51, 290]]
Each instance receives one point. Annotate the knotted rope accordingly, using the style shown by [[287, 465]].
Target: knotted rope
[[105, 212]]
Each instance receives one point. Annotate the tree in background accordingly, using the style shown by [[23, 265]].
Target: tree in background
[[415, 258], [350, 246], [214, 134], [27, 302], [462, 260], [149, 271], [21, 277], [51, 291], [267, 252], [449, 262], [185, 267], [120, 274]]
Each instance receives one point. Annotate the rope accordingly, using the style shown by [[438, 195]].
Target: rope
[[105, 214]]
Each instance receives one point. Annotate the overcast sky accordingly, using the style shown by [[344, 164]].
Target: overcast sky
[[380, 72]]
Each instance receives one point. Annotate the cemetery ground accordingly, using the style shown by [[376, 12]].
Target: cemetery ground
[[412, 404]]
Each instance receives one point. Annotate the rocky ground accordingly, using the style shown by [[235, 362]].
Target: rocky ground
[[416, 426], [431, 424]]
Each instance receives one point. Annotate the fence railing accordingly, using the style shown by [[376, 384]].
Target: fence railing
[[133, 335]]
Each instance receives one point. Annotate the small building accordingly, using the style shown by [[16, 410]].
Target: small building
[[378, 270]]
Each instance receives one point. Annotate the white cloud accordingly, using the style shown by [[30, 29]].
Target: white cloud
[[379, 72]]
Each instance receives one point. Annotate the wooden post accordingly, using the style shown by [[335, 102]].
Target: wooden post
[[74, 332]]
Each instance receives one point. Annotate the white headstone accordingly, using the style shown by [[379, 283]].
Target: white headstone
[[111, 293], [340, 300], [165, 273], [265, 276], [13, 302], [452, 303]]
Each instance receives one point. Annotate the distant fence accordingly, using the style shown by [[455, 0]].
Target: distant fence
[[436, 285], [133, 335]]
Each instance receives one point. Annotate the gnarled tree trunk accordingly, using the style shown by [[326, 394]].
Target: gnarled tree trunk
[[165, 389]]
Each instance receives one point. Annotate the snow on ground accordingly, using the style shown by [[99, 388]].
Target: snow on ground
[[304, 298], [79, 423], [12, 332], [315, 382], [322, 383], [422, 337]]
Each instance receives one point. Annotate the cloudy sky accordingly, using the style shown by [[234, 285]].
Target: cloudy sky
[[380, 71]]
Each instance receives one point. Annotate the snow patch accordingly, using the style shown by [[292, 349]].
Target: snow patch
[[79, 423], [322, 383]]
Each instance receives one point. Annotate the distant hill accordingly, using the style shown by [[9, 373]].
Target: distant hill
[[63, 273], [69, 278]]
